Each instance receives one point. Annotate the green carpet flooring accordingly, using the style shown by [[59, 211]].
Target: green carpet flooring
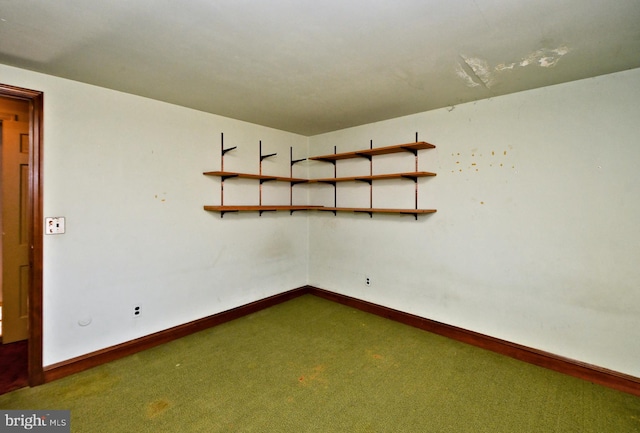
[[311, 365]]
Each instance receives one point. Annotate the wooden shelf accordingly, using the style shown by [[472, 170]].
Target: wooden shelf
[[368, 153], [262, 177], [375, 210], [266, 208], [259, 208], [234, 208], [413, 148], [371, 211], [410, 175]]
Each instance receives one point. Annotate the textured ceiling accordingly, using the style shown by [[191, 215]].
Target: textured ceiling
[[316, 66]]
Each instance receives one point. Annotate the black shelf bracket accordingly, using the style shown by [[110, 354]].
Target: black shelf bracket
[[415, 214], [414, 151], [262, 157], [332, 161], [222, 212], [295, 161], [228, 176], [365, 180], [413, 178], [335, 212], [222, 145], [365, 211]]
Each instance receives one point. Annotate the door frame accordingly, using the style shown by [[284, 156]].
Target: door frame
[[35, 99]]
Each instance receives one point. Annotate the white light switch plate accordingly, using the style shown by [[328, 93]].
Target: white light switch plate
[[54, 225]]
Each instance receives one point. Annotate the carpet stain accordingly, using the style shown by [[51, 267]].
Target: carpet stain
[[157, 407], [90, 384], [378, 360], [315, 376], [373, 354]]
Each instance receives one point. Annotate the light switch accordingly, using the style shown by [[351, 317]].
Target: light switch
[[54, 225]]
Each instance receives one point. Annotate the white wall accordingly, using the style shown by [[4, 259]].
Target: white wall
[[126, 172], [536, 237]]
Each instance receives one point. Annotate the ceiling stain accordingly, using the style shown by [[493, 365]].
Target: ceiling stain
[[312, 70], [545, 58], [477, 72]]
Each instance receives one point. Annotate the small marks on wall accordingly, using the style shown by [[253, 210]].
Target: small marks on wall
[[476, 161]]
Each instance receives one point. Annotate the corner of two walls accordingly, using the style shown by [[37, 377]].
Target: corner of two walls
[[126, 172], [535, 240]]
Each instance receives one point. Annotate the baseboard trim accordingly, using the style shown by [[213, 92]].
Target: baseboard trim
[[588, 372], [85, 362]]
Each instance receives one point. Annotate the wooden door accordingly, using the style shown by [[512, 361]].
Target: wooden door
[[16, 268]]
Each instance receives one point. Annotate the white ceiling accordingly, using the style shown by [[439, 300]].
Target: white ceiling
[[311, 66]]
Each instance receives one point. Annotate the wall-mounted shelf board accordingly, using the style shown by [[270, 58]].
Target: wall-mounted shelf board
[[367, 153], [232, 208], [371, 211], [262, 177], [259, 208], [410, 175], [266, 208]]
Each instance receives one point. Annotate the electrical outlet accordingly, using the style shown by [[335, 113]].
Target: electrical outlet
[[54, 225], [137, 310], [367, 281]]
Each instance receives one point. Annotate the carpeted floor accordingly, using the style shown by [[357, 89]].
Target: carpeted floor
[[13, 366], [310, 365]]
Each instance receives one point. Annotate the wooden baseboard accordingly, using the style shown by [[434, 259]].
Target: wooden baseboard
[[591, 373], [84, 362]]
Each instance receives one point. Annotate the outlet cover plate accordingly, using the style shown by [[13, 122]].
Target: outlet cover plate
[[54, 225]]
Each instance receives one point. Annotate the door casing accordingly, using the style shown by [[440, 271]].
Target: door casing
[[35, 99]]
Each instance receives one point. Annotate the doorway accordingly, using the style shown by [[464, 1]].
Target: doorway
[[24, 107], [14, 213]]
